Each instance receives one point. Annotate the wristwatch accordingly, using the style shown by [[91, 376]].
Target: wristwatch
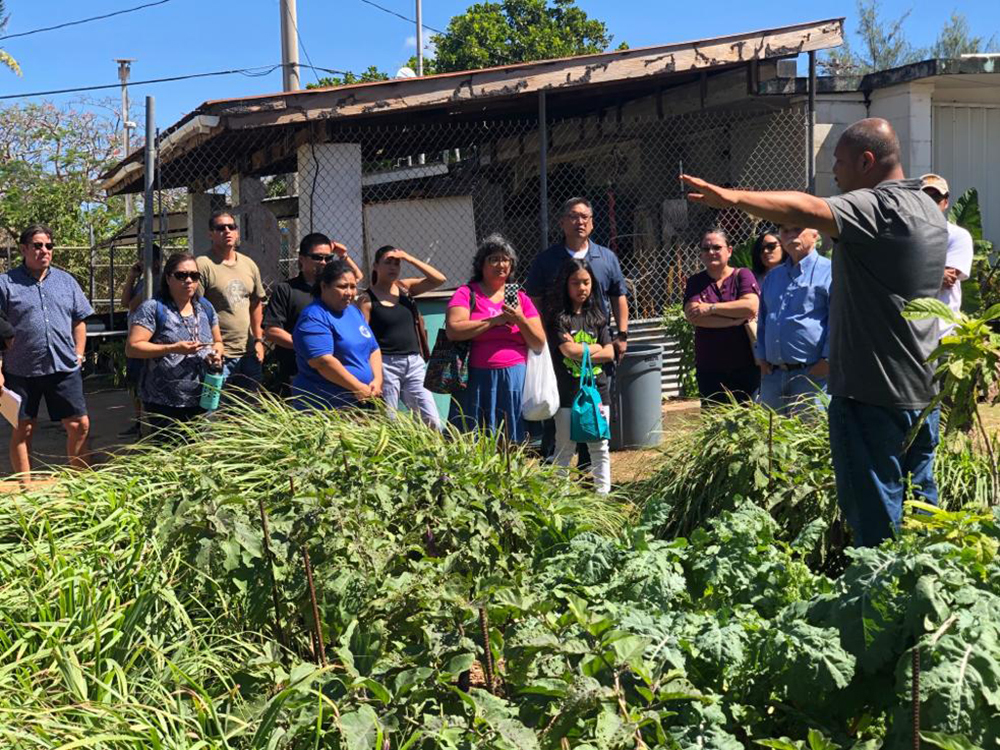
[[622, 336], [258, 340]]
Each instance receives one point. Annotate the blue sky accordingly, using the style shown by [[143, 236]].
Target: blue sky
[[195, 36]]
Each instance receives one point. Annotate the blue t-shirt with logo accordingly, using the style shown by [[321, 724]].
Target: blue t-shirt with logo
[[345, 335]]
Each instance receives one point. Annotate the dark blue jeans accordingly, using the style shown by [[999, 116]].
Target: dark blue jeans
[[242, 375], [874, 465]]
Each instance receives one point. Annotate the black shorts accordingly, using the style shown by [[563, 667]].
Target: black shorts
[[63, 393]]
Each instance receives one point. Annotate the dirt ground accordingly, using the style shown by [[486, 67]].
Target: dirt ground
[[110, 413]]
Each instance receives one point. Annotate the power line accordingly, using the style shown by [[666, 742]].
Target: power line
[[400, 15], [250, 72], [84, 20], [257, 72]]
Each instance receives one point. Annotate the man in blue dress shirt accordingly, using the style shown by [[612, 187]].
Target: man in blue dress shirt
[[576, 219], [46, 308], [793, 345]]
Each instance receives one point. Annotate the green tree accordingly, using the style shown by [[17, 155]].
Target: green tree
[[5, 59], [956, 39], [372, 74], [514, 31], [51, 159], [882, 44]]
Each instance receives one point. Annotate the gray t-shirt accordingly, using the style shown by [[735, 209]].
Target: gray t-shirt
[[891, 249]]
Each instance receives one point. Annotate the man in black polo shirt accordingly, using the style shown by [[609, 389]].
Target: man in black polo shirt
[[289, 298], [576, 219], [891, 244]]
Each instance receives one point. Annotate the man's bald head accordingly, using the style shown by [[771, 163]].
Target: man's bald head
[[876, 136], [867, 153]]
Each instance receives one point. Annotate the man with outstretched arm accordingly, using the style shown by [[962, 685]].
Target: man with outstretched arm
[[891, 243]]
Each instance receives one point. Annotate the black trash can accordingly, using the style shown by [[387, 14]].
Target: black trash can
[[637, 398]]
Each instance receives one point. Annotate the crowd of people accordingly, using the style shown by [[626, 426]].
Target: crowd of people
[[794, 329]]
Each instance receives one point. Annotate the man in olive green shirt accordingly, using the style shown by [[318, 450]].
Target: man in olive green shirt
[[231, 282]]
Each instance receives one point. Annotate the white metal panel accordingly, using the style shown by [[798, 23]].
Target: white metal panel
[[440, 231], [967, 154]]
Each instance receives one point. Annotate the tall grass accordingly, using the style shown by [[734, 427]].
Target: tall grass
[[782, 464], [134, 607]]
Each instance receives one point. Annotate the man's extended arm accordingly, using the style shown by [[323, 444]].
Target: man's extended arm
[[779, 207]]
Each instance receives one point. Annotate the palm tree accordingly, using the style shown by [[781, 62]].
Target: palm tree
[[5, 58]]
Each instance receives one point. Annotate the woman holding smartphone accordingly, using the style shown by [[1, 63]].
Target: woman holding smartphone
[[174, 334], [500, 323]]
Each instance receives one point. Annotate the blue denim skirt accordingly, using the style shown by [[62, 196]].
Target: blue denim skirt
[[492, 401]]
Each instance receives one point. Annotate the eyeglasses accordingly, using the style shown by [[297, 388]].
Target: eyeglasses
[[41, 245], [712, 248], [499, 260], [320, 257], [769, 246], [225, 227], [186, 275]]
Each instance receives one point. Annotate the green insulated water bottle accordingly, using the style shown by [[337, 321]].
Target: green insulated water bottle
[[211, 387]]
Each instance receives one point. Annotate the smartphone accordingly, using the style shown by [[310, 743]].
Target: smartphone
[[510, 295]]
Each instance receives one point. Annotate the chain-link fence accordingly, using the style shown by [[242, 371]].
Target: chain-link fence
[[435, 188]]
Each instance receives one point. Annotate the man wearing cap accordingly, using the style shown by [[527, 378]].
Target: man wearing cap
[[958, 262]]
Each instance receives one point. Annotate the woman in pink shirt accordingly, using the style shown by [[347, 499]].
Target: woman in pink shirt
[[500, 322]]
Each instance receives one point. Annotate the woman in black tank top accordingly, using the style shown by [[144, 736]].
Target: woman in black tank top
[[392, 315]]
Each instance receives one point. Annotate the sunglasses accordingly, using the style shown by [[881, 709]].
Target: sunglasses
[[712, 248], [320, 257], [769, 246], [41, 245], [186, 275], [224, 227]]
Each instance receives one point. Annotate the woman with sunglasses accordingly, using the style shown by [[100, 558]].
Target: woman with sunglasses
[[718, 302], [767, 253], [174, 333], [392, 313], [339, 361], [500, 322]]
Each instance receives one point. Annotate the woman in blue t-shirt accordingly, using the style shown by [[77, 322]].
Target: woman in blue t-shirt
[[338, 358]]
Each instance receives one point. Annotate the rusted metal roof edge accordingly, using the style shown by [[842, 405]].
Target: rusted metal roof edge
[[365, 98]]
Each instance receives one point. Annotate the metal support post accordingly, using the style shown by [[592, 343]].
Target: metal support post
[[147, 217], [543, 167], [811, 125]]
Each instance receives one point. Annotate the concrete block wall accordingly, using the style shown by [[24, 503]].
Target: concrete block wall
[[834, 113], [908, 108]]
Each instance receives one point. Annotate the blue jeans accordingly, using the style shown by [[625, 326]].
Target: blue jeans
[[791, 391], [243, 373], [874, 465]]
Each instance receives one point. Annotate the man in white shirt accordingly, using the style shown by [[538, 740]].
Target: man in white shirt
[[958, 263]]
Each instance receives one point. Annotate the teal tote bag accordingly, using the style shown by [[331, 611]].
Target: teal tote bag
[[587, 424]]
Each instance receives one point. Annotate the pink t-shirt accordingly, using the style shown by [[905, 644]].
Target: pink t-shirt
[[501, 346]]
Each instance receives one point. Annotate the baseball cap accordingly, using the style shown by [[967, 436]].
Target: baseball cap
[[935, 181]]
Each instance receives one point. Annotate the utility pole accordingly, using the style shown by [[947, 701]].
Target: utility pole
[[420, 38], [124, 70], [289, 47]]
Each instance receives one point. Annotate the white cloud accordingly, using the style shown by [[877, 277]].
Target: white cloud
[[411, 41]]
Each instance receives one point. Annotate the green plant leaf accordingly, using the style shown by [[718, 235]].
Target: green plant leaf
[[949, 741]]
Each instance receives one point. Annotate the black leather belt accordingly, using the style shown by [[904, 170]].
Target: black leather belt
[[791, 367]]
